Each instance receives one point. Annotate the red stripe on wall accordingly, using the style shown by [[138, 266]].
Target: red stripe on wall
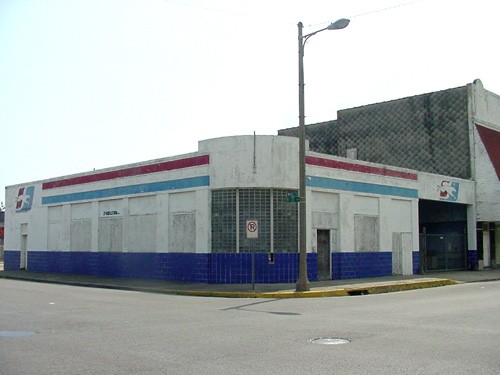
[[128, 172], [491, 141], [328, 163]]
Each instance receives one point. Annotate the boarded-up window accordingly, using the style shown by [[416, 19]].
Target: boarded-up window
[[366, 233], [182, 232], [81, 227], [55, 228], [81, 235], [110, 231], [142, 224], [142, 205], [142, 233], [110, 234]]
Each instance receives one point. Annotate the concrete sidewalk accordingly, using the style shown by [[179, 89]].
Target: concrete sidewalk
[[331, 288]]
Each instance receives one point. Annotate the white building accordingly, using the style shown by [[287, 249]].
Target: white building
[[453, 132], [195, 217]]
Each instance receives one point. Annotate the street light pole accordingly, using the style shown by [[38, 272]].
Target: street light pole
[[303, 281]]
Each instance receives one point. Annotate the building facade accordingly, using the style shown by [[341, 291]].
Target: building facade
[[228, 213], [454, 132]]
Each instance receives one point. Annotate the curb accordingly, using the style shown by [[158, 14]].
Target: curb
[[350, 290], [326, 292], [274, 295]]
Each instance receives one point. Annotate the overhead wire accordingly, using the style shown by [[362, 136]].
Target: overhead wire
[[374, 11], [269, 19]]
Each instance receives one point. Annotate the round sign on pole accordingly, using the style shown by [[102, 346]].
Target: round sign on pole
[[252, 229]]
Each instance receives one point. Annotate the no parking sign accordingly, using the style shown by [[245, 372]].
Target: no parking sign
[[252, 229]]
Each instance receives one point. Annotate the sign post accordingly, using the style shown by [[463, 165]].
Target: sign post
[[252, 234]]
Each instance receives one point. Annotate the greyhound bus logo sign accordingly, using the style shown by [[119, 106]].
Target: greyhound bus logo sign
[[24, 199], [448, 191]]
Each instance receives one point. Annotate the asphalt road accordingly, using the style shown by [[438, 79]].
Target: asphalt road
[[57, 329]]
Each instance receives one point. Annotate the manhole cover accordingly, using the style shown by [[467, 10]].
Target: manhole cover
[[330, 341], [16, 333]]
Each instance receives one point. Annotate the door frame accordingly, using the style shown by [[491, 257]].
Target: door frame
[[322, 275], [23, 247]]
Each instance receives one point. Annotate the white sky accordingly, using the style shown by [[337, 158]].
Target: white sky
[[90, 84]]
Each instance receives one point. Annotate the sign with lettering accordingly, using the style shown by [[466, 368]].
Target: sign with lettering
[[110, 213]]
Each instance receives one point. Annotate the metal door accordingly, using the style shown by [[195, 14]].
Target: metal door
[[324, 251], [444, 251]]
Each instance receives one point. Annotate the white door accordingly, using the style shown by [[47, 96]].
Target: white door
[[23, 257], [402, 254], [486, 248]]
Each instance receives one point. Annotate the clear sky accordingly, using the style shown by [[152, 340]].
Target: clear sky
[[90, 84]]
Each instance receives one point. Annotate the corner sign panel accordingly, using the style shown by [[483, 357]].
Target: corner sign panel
[[448, 190], [24, 199]]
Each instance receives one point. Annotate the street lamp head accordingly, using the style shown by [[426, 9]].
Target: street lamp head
[[339, 24]]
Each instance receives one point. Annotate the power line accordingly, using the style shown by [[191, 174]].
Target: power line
[[368, 13], [274, 20], [387, 8]]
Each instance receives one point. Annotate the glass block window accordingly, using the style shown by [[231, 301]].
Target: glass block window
[[224, 221], [255, 204], [285, 228], [277, 220]]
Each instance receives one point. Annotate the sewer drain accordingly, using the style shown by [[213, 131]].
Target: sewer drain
[[16, 333], [330, 341]]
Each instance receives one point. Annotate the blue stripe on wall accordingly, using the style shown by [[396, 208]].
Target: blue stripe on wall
[[12, 260], [179, 267], [219, 268], [184, 183], [360, 187], [361, 265], [416, 262]]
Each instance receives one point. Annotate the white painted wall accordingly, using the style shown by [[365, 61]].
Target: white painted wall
[[485, 111], [36, 218], [486, 105], [143, 219], [497, 245], [488, 187], [233, 158], [324, 210], [232, 161]]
